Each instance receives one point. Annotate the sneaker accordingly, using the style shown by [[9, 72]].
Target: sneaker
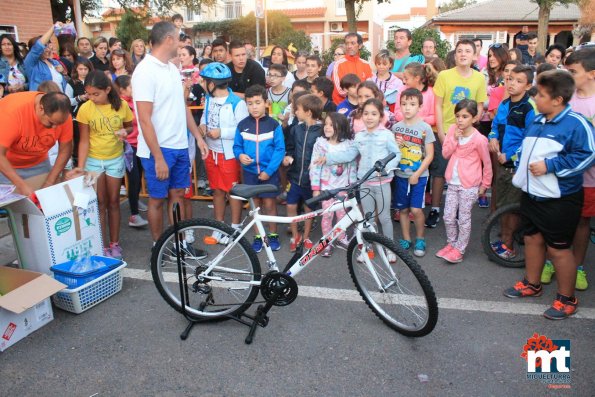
[[221, 238], [115, 250], [123, 191], [396, 215], [504, 252], [523, 289], [547, 273], [202, 184], [496, 245], [559, 310], [420, 247], [142, 206], [483, 202], [274, 241], [107, 253], [257, 243], [442, 253], [327, 252], [193, 253], [137, 221], [293, 243], [433, 219], [405, 244], [581, 280], [391, 256], [308, 244], [453, 256]]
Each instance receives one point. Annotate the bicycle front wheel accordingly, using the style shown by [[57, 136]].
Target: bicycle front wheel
[[399, 293], [227, 290]]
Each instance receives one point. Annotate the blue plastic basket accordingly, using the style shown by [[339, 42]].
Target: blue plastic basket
[[63, 274]]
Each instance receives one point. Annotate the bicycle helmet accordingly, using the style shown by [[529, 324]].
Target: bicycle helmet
[[217, 72]]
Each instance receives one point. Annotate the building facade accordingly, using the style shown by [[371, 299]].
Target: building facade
[[25, 19]]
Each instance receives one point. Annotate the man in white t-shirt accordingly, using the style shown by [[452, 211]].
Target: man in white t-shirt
[[163, 121]]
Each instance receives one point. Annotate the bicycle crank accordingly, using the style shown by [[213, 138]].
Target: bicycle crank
[[278, 289]]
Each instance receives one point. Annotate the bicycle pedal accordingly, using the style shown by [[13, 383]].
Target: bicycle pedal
[[201, 289]]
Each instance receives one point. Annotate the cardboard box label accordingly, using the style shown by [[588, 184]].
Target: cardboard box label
[[9, 331], [63, 225], [41, 311]]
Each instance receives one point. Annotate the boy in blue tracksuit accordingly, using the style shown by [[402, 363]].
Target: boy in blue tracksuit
[[260, 147], [514, 116], [558, 147]]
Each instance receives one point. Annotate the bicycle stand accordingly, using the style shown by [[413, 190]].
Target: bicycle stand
[[259, 319]]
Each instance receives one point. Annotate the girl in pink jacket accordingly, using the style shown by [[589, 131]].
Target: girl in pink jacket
[[469, 174]]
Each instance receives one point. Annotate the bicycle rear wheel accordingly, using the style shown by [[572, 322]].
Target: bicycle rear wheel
[[208, 299], [491, 236], [405, 301]]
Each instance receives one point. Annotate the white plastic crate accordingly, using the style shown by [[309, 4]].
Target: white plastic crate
[[79, 299]]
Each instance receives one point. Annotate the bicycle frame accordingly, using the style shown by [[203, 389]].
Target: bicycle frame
[[355, 216]]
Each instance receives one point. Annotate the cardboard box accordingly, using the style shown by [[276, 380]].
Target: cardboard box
[[25, 303], [66, 227]]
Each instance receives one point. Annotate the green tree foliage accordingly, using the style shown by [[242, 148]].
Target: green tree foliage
[[418, 36], [455, 5], [351, 13], [280, 30], [130, 28]]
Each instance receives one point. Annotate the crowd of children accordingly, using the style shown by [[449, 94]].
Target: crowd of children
[[532, 144]]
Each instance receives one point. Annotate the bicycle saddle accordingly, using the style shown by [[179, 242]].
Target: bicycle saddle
[[249, 191]]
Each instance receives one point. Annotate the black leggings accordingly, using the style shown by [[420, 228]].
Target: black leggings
[[134, 182]]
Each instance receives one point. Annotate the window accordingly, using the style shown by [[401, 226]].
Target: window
[[11, 30], [339, 7], [233, 9], [193, 15]]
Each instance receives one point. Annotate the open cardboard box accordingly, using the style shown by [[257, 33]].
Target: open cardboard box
[[24, 303], [63, 227]]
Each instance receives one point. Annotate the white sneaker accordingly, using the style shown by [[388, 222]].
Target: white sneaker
[[189, 236], [137, 221], [202, 184], [221, 238], [142, 206], [123, 191], [391, 256]]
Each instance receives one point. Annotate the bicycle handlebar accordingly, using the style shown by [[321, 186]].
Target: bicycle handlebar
[[327, 194]]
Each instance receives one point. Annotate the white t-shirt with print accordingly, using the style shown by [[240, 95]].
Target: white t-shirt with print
[[160, 83]]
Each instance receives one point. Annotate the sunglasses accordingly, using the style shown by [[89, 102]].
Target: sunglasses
[[496, 45]]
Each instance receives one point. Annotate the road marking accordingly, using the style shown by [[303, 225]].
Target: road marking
[[512, 307]]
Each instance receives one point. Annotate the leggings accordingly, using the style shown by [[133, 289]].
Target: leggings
[[378, 199], [458, 231], [134, 179], [327, 219]]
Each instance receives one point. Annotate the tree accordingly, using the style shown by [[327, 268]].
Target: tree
[[130, 28], [455, 5], [280, 30], [585, 24], [418, 36], [352, 15], [545, 7]]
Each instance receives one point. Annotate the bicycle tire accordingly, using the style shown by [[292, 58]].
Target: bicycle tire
[[406, 268], [168, 284], [490, 229]]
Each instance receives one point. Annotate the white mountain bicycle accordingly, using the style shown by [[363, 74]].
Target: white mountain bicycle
[[226, 283]]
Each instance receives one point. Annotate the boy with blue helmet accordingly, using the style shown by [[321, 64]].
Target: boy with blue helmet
[[223, 111]]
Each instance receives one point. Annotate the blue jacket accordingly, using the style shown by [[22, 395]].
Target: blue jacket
[[567, 145], [263, 141], [510, 124], [5, 69], [300, 145], [37, 70]]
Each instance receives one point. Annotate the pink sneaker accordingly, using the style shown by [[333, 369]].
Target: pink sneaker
[[453, 256], [442, 253], [115, 250], [107, 253]]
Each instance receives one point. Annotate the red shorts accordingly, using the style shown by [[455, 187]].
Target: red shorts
[[589, 203], [222, 174]]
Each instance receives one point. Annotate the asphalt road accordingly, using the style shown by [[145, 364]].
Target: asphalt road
[[329, 345]]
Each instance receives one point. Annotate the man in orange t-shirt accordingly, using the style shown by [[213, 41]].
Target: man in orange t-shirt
[[31, 123], [351, 63]]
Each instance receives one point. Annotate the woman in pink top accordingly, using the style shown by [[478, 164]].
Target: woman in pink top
[[418, 76], [469, 173]]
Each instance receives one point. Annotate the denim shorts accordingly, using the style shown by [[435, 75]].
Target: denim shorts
[[113, 167], [178, 162]]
